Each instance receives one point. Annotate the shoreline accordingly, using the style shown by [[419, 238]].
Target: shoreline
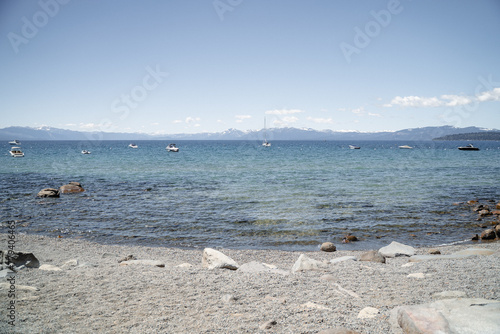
[[92, 291]]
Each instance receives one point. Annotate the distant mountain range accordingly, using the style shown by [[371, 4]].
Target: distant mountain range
[[425, 133]]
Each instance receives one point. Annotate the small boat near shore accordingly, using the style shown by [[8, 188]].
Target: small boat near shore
[[469, 147], [354, 147], [406, 147], [16, 152], [15, 142], [172, 148]]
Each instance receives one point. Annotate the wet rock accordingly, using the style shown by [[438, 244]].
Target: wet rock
[[349, 238], [328, 247], [213, 259], [475, 237], [306, 263], [488, 234], [49, 192], [372, 256], [484, 212], [434, 251], [72, 187], [396, 249]]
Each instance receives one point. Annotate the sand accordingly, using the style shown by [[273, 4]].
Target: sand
[[96, 294]]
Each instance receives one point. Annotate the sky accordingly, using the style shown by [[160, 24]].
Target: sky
[[191, 66]]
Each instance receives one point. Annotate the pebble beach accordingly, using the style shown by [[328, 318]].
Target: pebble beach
[[86, 287]]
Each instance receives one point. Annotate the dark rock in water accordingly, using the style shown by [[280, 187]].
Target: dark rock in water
[[19, 259], [484, 212], [48, 192], [372, 256], [328, 247], [72, 187], [476, 237], [488, 234]]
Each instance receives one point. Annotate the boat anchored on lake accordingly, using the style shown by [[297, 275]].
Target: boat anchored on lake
[[354, 147], [16, 152], [172, 148], [133, 145], [469, 147], [406, 147], [15, 142]]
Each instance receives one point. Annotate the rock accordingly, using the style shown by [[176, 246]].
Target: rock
[[434, 251], [474, 315], [229, 298], [154, 263], [257, 267], [49, 192], [372, 256], [449, 295], [72, 187], [497, 206], [306, 263], [127, 258], [488, 234], [328, 247], [70, 263], [396, 249], [338, 330], [497, 230], [213, 259], [268, 324], [349, 238], [472, 202], [49, 267], [185, 265], [484, 212], [368, 313], [19, 259], [416, 275], [342, 259]]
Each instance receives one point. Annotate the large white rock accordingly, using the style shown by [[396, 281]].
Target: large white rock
[[306, 263], [396, 249], [213, 259], [460, 316]]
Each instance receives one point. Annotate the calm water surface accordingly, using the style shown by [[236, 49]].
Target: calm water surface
[[238, 194]]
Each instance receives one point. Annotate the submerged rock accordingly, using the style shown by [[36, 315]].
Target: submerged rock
[[72, 187]]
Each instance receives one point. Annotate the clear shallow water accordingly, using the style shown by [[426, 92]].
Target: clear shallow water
[[238, 194]]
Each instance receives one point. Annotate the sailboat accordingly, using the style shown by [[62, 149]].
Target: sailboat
[[265, 143]]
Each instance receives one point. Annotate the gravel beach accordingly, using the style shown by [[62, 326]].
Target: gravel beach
[[94, 293]]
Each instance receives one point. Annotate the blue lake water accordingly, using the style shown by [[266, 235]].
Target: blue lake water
[[238, 194]]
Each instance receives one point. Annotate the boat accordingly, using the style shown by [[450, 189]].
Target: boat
[[15, 142], [353, 147], [469, 147], [172, 148], [265, 143], [405, 146], [85, 152], [133, 145], [16, 152]]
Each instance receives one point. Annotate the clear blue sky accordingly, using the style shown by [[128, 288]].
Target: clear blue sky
[[186, 66]]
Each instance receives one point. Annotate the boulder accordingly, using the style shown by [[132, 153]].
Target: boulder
[[306, 263], [460, 315], [213, 259], [48, 192], [19, 259], [488, 234], [372, 256], [328, 247], [72, 187], [368, 313], [396, 249]]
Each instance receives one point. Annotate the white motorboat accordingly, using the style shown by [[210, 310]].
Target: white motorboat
[[266, 143], [15, 142], [132, 145], [172, 148], [469, 147], [16, 152], [85, 152], [405, 146], [353, 147]]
